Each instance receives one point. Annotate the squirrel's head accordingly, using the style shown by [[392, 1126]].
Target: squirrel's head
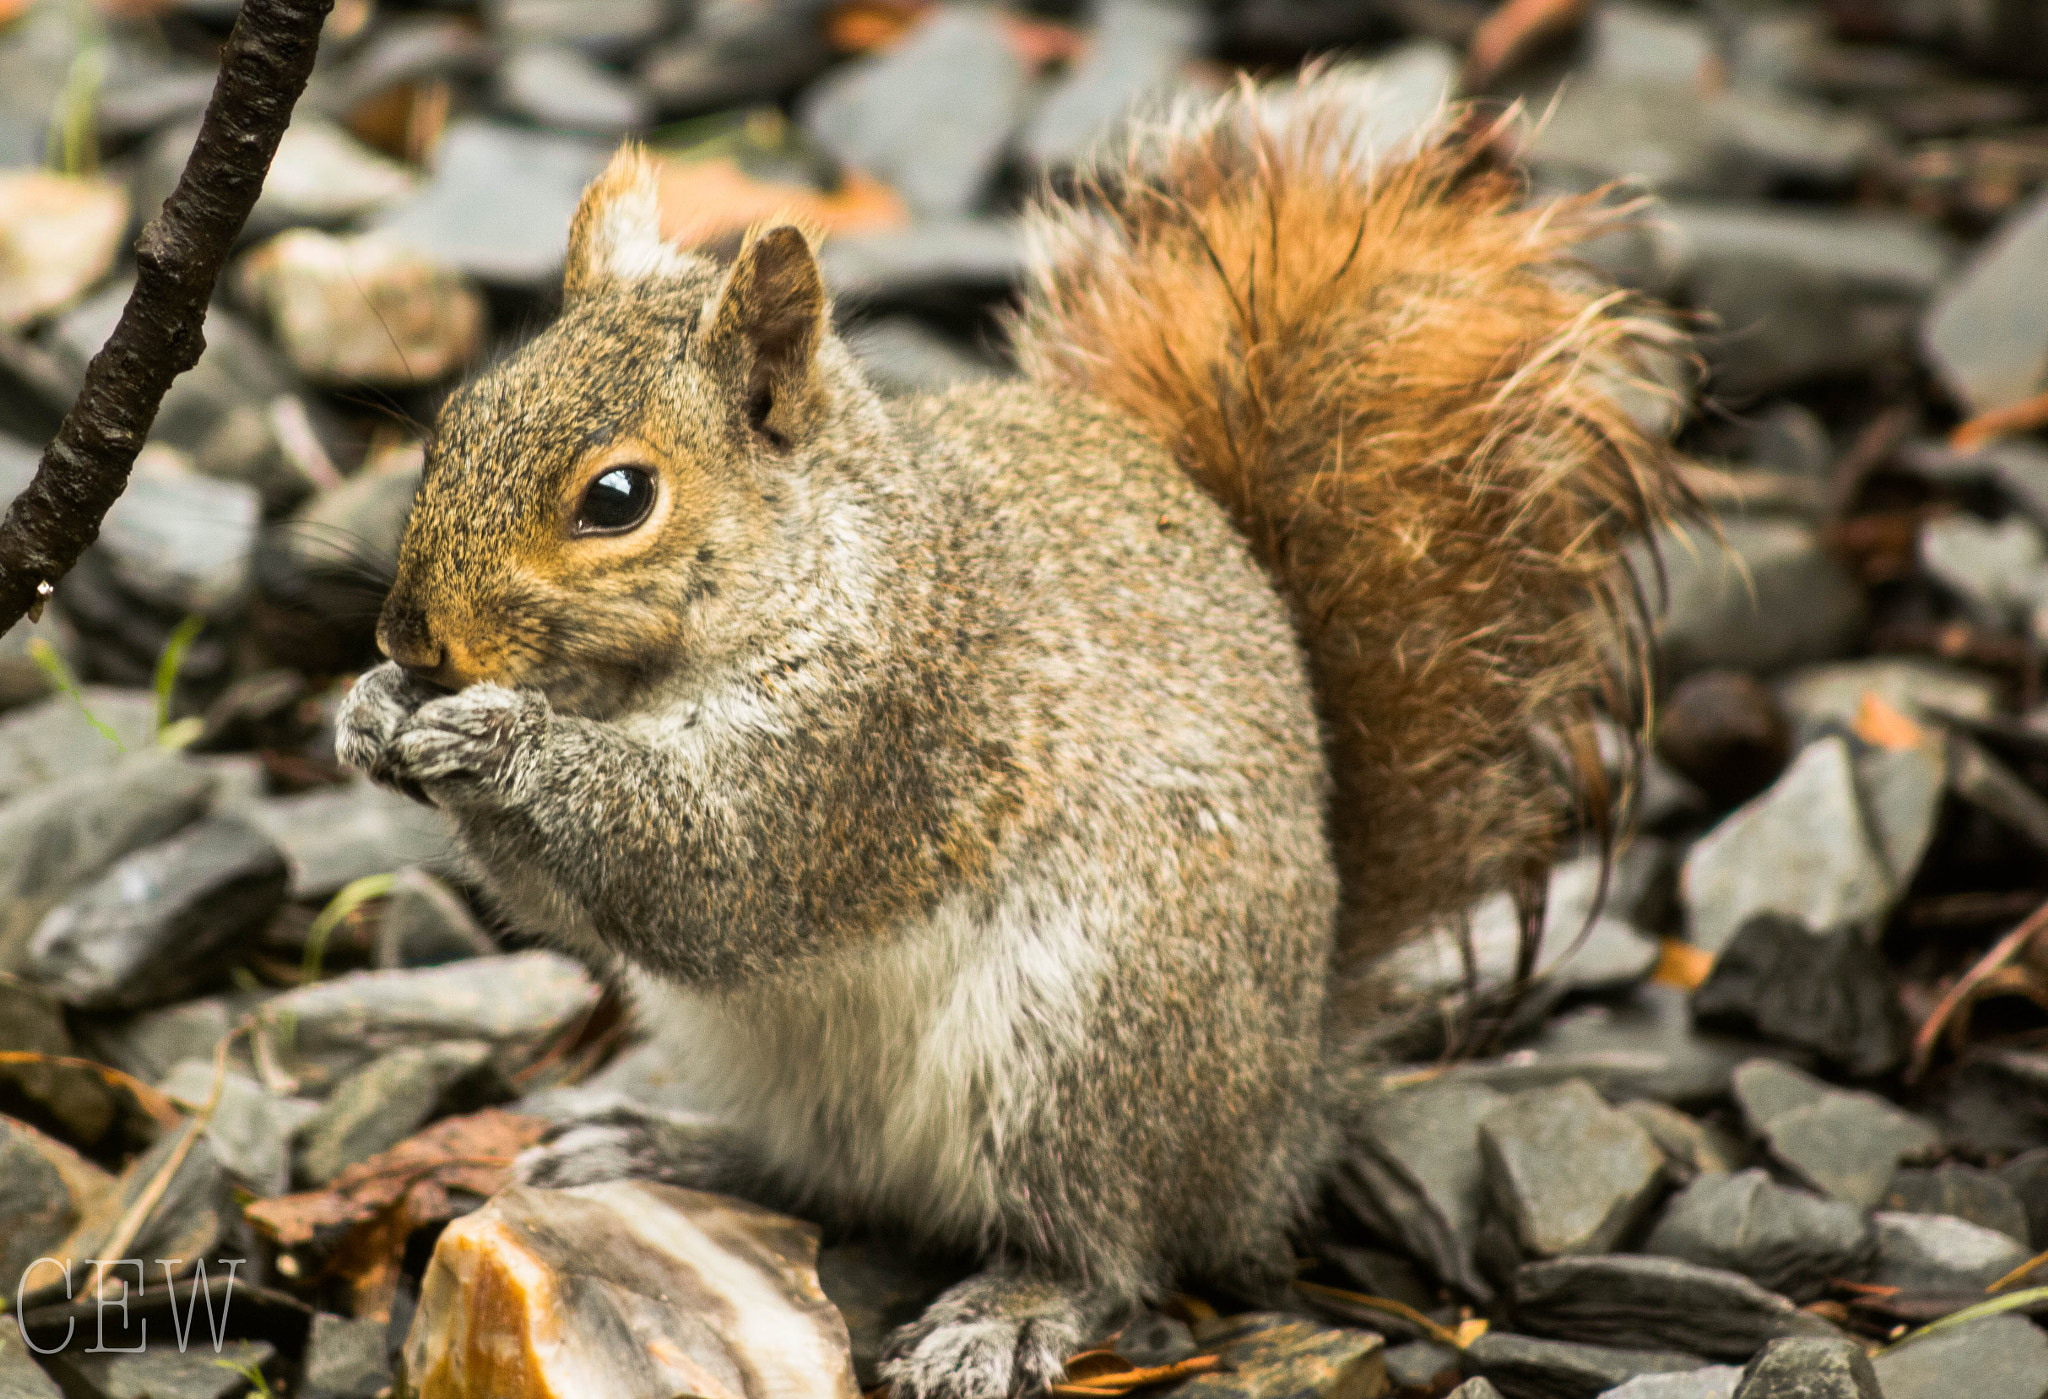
[[592, 505]]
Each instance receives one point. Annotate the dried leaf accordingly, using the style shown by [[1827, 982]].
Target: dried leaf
[[869, 26], [1968, 987], [705, 200], [1102, 1374], [1682, 964], [2020, 1273], [2000, 422], [1881, 726], [161, 1109]]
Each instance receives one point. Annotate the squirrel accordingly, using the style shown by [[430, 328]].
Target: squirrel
[[999, 798]]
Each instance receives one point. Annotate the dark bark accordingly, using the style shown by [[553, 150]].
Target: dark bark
[[263, 69]]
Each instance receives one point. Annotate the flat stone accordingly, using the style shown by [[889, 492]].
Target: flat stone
[[1524, 1367], [902, 356], [499, 203], [55, 738], [1654, 1304], [322, 175], [251, 1127], [1802, 850], [150, 1043], [1690, 1147], [1418, 1176], [186, 1222], [1762, 596], [1133, 59], [560, 88], [1567, 1172], [345, 1358], [929, 259], [162, 921], [59, 234], [928, 117], [1832, 994], [2026, 1175], [1999, 570], [1987, 337], [335, 836], [364, 308], [1573, 955], [1810, 1368], [22, 1378], [164, 1372], [1707, 1382], [1423, 1365], [1844, 1144], [625, 1288], [599, 24], [1941, 1254], [1788, 1241], [426, 924], [183, 542], [71, 1097], [1902, 795], [389, 1099], [1997, 1357], [1824, 697], [734, 55], [57, 837], [514, 1002], [46, 1188], [1643, 1045], [1964, 1192], [1267, 1355], [1800, 294]]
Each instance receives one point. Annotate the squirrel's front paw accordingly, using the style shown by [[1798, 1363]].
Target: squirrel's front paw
[[481, 738], [994, 1336], [375, 708]]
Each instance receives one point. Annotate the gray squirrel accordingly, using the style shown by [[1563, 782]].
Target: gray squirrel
[[1004, 794]]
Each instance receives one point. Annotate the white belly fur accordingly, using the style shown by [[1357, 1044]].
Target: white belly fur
[[887, 1078]]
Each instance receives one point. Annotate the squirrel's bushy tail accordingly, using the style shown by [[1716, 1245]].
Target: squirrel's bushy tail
[[1395, 380]]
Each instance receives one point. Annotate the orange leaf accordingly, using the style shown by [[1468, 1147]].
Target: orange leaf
[[160, 1108], [866, 26], [1511, 32], [1109, 1385], [1682, 964], [705, 200], [2000, 422], [1881, 726]]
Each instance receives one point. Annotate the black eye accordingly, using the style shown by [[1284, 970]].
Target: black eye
[[616, 501]]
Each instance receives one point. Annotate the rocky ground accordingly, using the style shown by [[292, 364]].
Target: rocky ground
[[1780, 1106]]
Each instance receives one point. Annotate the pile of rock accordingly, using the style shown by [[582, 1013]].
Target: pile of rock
[[1778, 1097]]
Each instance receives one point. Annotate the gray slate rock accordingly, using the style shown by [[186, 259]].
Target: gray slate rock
[[21, 1377], [183, 543], [1997, 569], [1268, 1355], [1707, 1382], [32, 1019], [1833, 994], [45, 1189], [1133, 59], [1844, 1144], [1964, 1192], [2026, 1175], [251, 1128], [55, 739], [54, 839], [150, 1043], [389, 1099], [426, 924], [1810, 1369], [345, 1358], [161, 922], [187, 1219], [901, 355], [1418, 1365], [1824, 697], [335, 836], [1902, 795], [513, 1002], [164, 1372], [1691, 1148], [499, 204], [930, 116], [1802, 850], [1417, 1177], [1645, 1045], [597, 24], [1523, 1367], [560, 88], [1997, 1357], [1941, 1254], [932, 258], [737, 52], [1987, 337], [1568, 1173], [1654, 1304], [1761, 597], [1784, 1239], [1800, 294]]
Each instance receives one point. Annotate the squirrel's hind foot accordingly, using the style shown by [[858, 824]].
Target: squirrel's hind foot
[[998, 1335]]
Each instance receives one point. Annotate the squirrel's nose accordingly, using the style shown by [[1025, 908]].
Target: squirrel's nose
[[414, 647]]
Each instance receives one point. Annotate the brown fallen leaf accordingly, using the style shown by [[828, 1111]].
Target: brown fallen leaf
[[705, 200], [869, 26], [1948, 1015], [373, 1207], [1511, 32], [161, 1109], [1682, 964], [1881, 726], [1103, 1374]]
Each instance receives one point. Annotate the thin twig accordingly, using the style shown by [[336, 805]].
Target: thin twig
[[178, 258]]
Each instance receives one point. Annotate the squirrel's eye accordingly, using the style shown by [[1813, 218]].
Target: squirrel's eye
[[615, 501]]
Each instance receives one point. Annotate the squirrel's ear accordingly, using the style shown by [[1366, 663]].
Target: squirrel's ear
[[616, 234], [768, 325]]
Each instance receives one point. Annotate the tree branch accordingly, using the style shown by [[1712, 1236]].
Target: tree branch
[[263, 69]]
